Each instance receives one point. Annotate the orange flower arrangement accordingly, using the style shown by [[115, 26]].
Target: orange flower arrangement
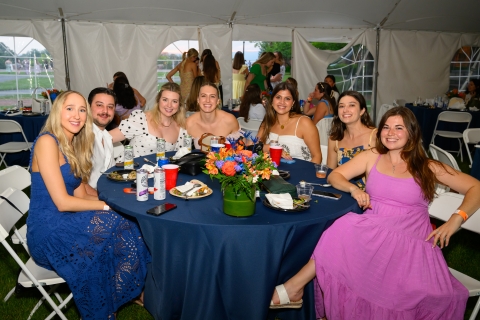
[[454, 93], [242, 169]]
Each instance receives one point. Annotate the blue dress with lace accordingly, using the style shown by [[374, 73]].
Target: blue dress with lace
[[100, 254]]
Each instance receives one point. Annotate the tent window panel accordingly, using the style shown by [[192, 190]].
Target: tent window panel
[[354, 71], [24, 65], [465, 66]]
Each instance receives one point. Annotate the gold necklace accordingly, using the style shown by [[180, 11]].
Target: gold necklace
[[393, 166], [283, 125], [168, 124]]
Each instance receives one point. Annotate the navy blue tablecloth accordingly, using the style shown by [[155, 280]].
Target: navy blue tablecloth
[[31, 127], [427, 118], [207, 265], [475, 171]]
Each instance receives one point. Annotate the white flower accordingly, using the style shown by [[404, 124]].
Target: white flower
[[255, 179]]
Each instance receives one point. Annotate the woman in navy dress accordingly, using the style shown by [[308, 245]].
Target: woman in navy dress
[[100, 254]]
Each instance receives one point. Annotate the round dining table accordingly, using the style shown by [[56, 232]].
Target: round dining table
[[208, 265]]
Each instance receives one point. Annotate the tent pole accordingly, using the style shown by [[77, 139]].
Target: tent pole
[[377, 58], [65, 55]]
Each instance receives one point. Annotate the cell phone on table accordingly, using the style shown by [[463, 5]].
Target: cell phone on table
[[161, 209], [329, 195]]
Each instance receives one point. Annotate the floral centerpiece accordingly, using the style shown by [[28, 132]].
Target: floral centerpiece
[[53, 93], [240, 173], [455, 94]]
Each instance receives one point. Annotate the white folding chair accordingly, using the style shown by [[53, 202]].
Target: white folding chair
[[444, 157], [252, 125], [8, 127], [442, 208], [323, 127], [455, 117], [31, 275], [324, 150], [15, 177], [471, 136], [383, 109]]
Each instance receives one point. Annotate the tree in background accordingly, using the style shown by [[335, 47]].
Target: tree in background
[[286, 48]]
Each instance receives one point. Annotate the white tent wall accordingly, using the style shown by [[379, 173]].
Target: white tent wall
[[219, 40], [48, 33], [309, 64], [97, 51]]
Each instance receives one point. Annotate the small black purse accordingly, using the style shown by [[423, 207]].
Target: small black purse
[[191, 163]]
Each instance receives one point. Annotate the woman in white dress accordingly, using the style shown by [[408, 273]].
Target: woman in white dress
[[252, 105], [166, 120], [294, 132]]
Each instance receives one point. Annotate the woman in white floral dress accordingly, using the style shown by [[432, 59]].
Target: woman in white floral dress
[[166, 120]]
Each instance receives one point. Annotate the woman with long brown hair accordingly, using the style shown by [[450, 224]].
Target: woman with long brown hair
[[284, 123], [239, 71], [252, 105], [326, 102], [352, 131], [385, 263]]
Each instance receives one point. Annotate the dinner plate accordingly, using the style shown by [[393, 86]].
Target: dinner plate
[[284, 174], [31, 114], [297, 209], [209, 192], [112, 176]]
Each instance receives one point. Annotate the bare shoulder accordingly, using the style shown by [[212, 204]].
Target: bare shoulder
[[46, 141], [191, 120], [439, 168]]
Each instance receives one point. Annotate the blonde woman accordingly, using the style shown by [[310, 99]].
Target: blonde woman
[[165, 120], [74, 233], [259, 71], [188, 71]]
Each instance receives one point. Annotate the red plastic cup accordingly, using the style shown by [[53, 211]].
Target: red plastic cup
[[171, 174], [276, 154], [228, 145]]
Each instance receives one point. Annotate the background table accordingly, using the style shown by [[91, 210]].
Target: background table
[[31, 127], [207, 265], [427, 118]]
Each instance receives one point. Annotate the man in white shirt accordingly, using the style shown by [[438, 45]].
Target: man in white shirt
[[102, 102]]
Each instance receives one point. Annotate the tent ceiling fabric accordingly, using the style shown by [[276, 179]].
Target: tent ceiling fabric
[[427, 15]]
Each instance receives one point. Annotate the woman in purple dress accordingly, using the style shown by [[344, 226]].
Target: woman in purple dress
[[385, 263]]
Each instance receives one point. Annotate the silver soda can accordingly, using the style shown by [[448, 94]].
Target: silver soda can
[[20, 105], [128, 157], [160, 148], [159, 184], [187, 142], [142, 185]]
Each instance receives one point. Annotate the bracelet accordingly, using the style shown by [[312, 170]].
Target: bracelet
[[462, 214], [106, 208]]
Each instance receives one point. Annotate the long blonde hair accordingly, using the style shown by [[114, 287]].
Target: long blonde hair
[[79, 152], [178, 117], [265, 58], [190, 53]]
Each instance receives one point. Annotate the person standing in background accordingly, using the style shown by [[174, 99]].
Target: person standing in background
[[239, 73], [278, 70]]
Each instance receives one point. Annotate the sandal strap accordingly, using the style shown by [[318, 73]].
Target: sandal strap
[[282, 294]]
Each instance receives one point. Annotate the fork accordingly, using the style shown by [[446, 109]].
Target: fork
[[149, 161]]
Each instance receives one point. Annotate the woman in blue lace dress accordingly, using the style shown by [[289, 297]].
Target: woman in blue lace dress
[[100, 254], [352, 131]]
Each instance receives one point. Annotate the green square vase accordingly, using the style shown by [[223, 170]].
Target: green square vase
[[238, 205]]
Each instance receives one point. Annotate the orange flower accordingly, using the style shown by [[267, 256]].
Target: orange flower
[[211, 155], [246, 153], [265, 173], [228, 168], [212, 169]]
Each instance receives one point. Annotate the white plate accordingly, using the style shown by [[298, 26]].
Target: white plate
[[209, 192]]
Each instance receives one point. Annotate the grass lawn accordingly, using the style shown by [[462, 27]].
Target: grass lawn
[[26, 83], [463, 254]]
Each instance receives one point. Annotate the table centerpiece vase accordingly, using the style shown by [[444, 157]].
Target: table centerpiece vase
[[240, 172]]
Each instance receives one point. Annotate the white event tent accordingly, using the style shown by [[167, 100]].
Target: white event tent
[[416, 40]]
